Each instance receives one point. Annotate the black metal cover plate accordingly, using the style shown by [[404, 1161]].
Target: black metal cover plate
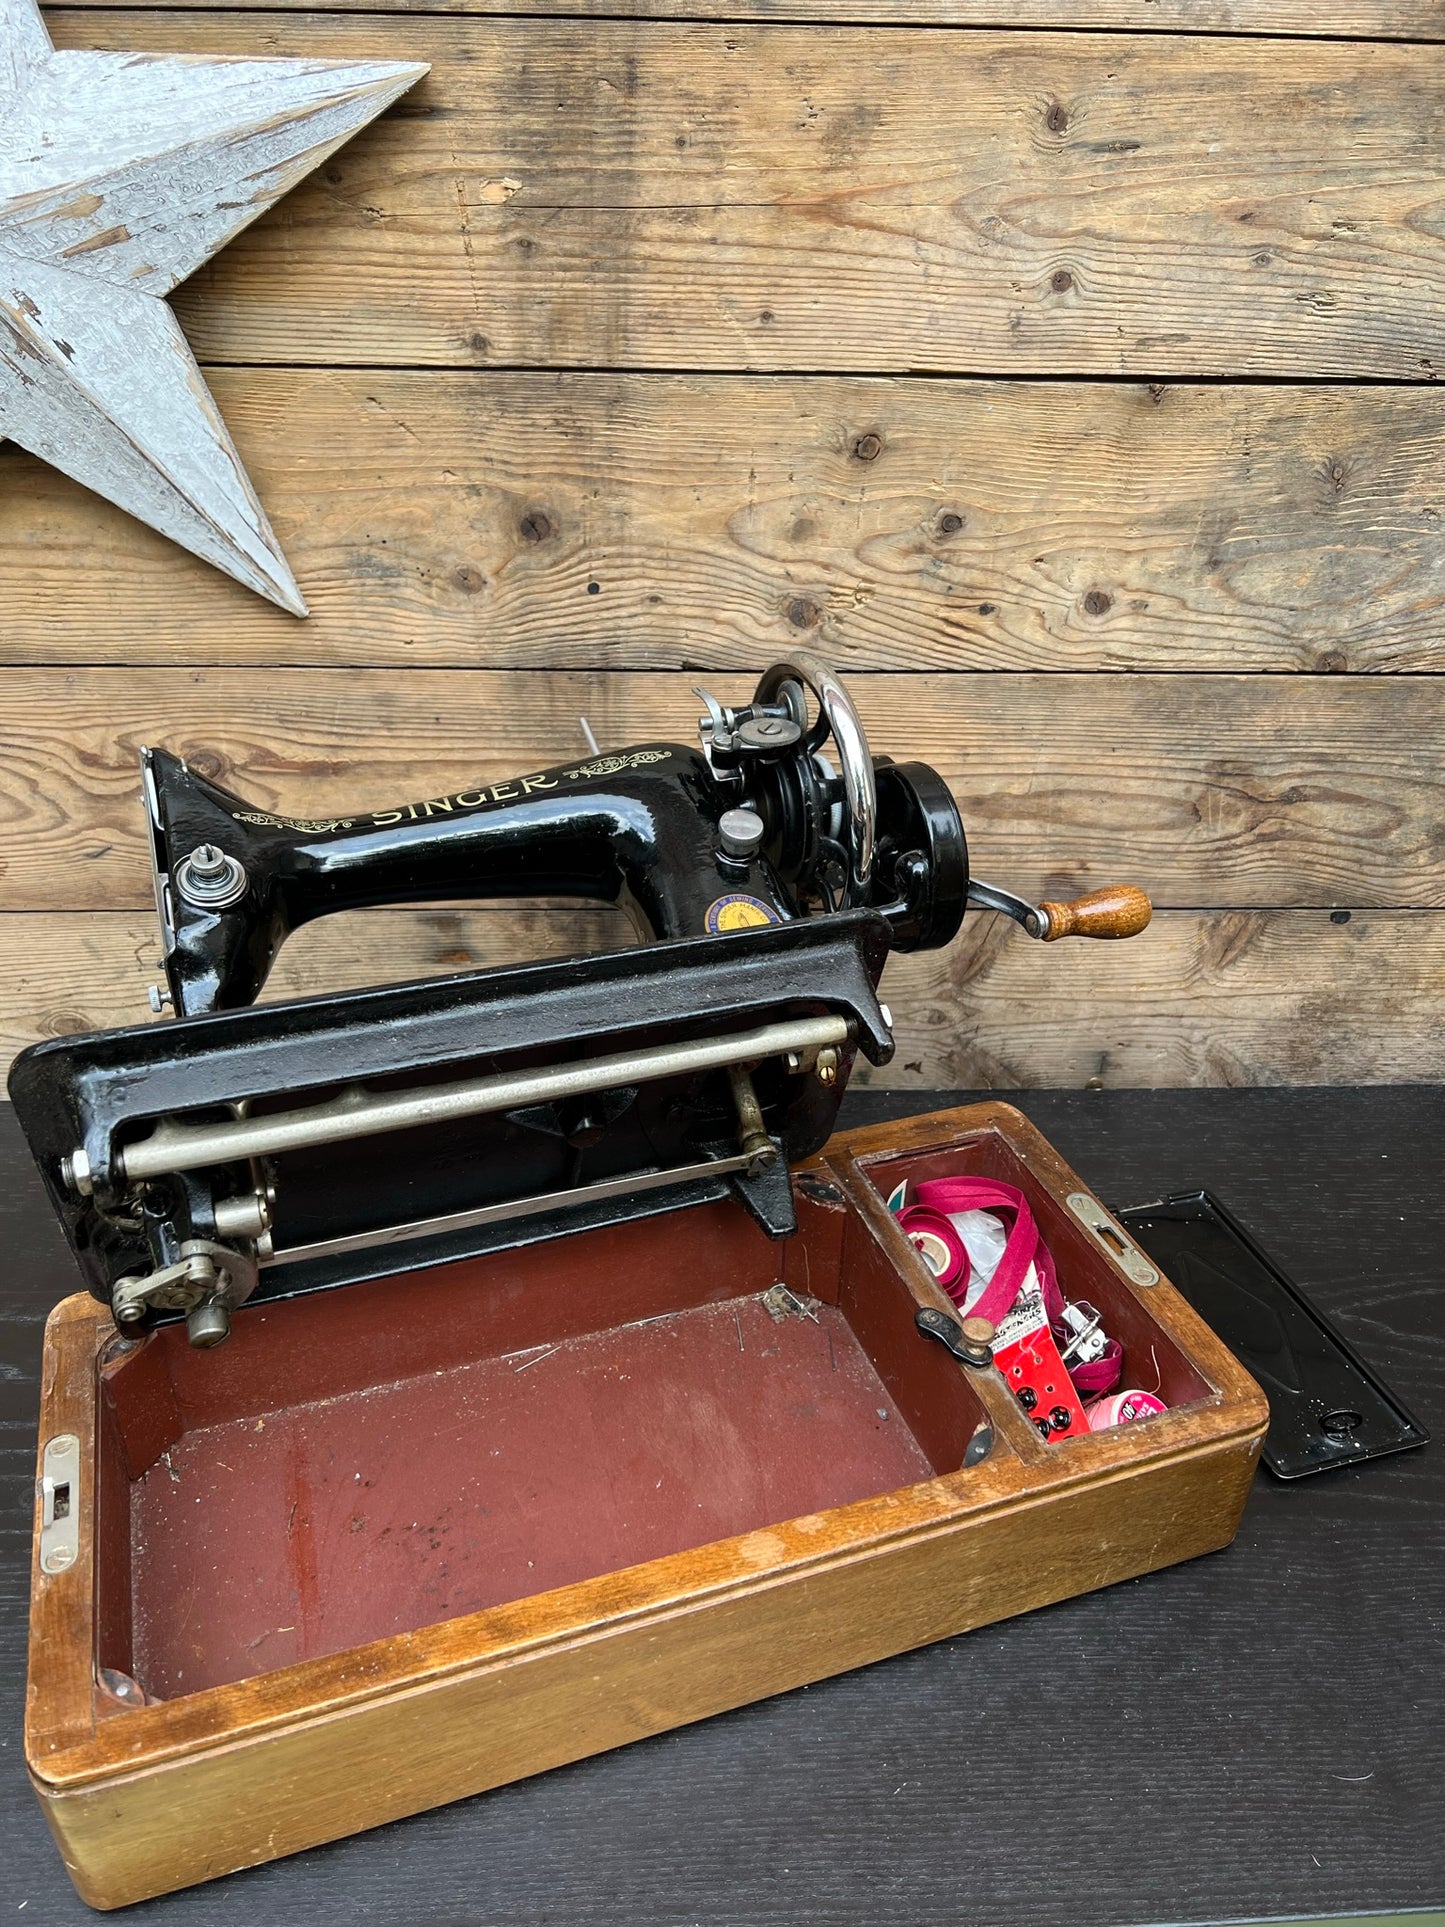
[[1326, 1406], [103, 1089]]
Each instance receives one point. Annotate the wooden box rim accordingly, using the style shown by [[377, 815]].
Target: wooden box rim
[[68, 1747]]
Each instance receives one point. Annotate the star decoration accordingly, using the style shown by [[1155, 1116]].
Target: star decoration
[[120, 175]]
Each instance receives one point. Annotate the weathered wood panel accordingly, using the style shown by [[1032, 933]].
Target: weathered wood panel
[[1228, 997], [1369, 19], [458, 518], [622, 196], [652, 194], [175, 155], [1209, 790]]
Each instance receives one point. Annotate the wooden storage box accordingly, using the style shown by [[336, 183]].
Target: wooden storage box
[[401, 1542]]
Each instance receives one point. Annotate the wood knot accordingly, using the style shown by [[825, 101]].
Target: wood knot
[[1061, 281], [1056, 117], [535, 526], [803, 614], [1097, 603], [868, 447], [64, 1023], [469, 579]]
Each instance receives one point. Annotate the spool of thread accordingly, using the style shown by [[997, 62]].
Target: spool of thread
[[937, 1242], [1123, 1408]]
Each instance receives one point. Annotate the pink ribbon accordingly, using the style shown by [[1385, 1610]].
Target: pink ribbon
[[939, 1198], [1024, 1246], [925, 1227]]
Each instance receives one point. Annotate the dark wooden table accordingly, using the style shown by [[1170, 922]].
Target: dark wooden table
[[1256, 1734]]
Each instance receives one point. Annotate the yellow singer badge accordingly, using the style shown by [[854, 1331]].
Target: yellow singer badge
[[738, 912]]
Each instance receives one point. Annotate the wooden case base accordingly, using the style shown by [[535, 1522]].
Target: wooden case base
[[406, 1541]]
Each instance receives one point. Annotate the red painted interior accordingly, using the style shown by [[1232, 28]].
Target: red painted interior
[[377, 1459]]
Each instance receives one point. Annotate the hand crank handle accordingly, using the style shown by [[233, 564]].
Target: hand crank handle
[[1118, 910]]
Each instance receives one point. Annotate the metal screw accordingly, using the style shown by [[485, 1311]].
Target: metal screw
[[122, 1687], [768, 732], [158, 998], [827, 1065], [58, 1558]]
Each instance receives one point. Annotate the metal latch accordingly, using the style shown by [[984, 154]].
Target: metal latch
[[1092, 1214], [968, 1347], [60, 1503]]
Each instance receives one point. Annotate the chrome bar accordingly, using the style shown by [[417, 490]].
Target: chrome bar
[[509, 1208], [174, 1146]]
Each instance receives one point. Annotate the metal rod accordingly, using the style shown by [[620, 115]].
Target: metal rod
[[509, 1208], [758, 1148], [186, 1147], [988, 896]]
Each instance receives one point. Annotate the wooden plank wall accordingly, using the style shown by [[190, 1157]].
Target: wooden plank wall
[[1065, 372]]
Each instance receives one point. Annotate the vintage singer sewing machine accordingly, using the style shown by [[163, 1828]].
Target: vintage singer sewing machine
[[577, 1384]]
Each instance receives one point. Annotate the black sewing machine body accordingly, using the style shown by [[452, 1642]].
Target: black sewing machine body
[[639, 829], [256, 1151]]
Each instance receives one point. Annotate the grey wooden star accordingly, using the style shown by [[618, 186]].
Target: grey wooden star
[[120, 174]]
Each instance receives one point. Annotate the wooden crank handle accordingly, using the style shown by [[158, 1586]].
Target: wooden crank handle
[[1118, 910]]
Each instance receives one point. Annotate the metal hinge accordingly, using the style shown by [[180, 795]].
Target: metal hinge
[[59, 1485], [1116, 1242]]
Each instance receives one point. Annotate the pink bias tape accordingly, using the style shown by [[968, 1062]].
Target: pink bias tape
[[928, 1222], [1024, 1247], [937, 1242]]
